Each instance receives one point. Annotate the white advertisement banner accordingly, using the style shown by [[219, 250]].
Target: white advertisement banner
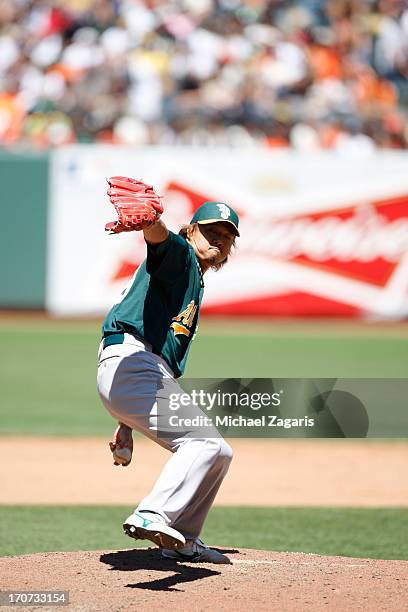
[[321, 235]]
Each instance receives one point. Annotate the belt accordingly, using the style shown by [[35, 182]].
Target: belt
[[119, 338], [113, 339]]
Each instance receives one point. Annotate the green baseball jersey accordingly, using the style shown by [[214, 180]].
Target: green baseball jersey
[[162, 302]]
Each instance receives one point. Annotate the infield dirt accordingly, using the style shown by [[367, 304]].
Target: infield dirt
[[275, 472]]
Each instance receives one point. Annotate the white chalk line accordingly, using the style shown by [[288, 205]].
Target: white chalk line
[[253, 562]]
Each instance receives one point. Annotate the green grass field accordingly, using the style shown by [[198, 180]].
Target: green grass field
[[375, 533], [48, 368]]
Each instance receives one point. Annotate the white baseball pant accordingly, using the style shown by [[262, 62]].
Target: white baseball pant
[[134, 385]]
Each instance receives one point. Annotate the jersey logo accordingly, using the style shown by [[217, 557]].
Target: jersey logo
[[180, 329], [224, 211], [183, 321]]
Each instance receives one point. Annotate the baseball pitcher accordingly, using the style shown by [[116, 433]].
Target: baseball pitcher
[[146, 339]]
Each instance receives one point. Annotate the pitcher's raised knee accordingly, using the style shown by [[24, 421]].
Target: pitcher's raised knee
[[218, 449], [226, 452], [222, 452]]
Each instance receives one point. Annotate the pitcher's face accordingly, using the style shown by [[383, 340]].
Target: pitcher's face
[[212, 242]]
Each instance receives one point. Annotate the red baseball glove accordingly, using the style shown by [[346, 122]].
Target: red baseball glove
[[137, 204]]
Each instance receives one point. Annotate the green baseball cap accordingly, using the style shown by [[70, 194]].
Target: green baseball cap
[[211, 212]]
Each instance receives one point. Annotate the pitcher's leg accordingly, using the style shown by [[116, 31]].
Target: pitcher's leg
[[135, 392], [191, 521], [188, 483]]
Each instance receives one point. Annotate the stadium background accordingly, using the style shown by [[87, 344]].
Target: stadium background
[[285, 82]]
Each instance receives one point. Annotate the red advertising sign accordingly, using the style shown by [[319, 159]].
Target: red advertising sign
[[363, 243]]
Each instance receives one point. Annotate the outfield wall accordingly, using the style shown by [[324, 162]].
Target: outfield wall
[[321, 235], [23, 244]]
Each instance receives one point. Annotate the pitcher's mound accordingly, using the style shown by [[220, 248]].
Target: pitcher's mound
[[140, 579]]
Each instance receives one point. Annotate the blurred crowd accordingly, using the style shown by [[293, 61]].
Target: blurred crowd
[[308, 74]]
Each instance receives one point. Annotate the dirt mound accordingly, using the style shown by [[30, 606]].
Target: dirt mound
[[140, 580]]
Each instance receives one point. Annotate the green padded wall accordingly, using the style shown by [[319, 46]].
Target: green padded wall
[[23, 233]]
